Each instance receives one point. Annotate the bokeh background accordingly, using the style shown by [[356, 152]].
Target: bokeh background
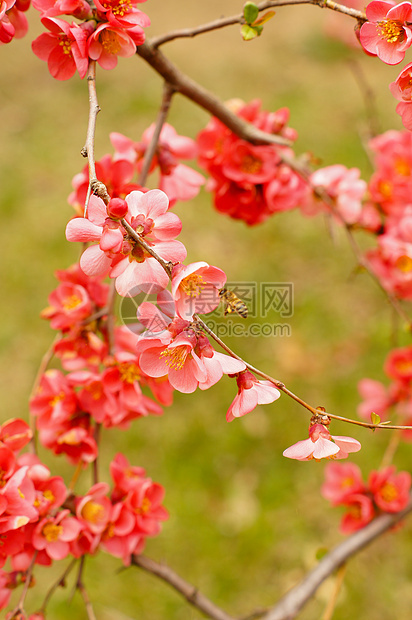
[[245, 523]]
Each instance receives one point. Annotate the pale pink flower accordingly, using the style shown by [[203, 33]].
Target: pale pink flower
[[251, 393], [345, 188], [195, 288], [122, 14], [386, 32], [321, 444], [182, 353], [145, 501], [375, 398], [124, 258]]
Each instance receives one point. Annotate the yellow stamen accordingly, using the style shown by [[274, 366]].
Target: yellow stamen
[[52, 532], [71, 302], [110, 41], [175, 357], [144, 508], [129, 372], [193, 285], [250, 164], [93, 512], [404, 264], [389, 492], [391, 30]]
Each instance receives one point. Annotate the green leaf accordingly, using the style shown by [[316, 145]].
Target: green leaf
[[250, 12], [264, 18], [375, 419], [248, 33]]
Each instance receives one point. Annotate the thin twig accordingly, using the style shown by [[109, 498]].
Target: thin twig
[[290, 605], [97, 431], [81, 587], [57, 584], [20, 605], [168, 91], [186, 589], [185, 33], [88, 149]]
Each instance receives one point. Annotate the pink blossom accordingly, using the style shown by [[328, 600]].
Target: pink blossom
[[401, 89], [116, 175], [390, 490], [375, 398], [186, 356], [386, 32], [53, 534], [195, 288], [177, 180], [344, 187], [132, 266], [361, 512], [54, 401], [108, 42], [321, 444], [398, 364], [341, 481], [251, 393], [125, 477], [69, 304], [15, 434], [63, 48], [120, 538], [51, 8], [145, 501]]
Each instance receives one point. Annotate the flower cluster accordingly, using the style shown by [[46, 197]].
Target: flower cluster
[[112, 28], [379, 399], [40, 522], [389, 191], [386, 491], [250, 182]]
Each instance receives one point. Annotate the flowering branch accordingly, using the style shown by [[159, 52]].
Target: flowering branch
[[185, 33], [290, 605], [187, 590]]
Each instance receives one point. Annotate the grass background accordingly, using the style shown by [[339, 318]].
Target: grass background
[[245, 523]]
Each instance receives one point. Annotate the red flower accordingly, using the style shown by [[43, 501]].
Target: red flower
[[390, 490]]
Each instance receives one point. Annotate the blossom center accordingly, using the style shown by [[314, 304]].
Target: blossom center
[[404, 263], [56, 399], [48, 496], [193, 285], [93, 512], [391, 30], [175, 357], [66, 44], [402, 167], [120, 8], [71, 302], [251, 164], [110, 42], [129, 373], [52, 532], [389, 492], [144, 508]]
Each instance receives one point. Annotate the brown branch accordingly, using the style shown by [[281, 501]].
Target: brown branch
[[167, 266], [208, 101], [187, 590], [290, 605], [161, 119], [185, 33], [81, 587], [19, 609]]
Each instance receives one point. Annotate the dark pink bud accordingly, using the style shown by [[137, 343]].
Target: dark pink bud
[[117, 208]]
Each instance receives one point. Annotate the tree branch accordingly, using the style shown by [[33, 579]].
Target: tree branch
[[205, 99], [189, 592], [289, 606], [185, 33]]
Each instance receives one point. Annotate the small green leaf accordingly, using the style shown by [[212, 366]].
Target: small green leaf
[[375, 419], [250, 12], [248, 33], [321, 552], [264, 18]]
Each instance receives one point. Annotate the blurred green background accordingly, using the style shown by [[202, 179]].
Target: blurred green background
[[245, 523]]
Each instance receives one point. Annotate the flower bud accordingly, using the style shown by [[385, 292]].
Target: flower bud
[[117, 208]]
